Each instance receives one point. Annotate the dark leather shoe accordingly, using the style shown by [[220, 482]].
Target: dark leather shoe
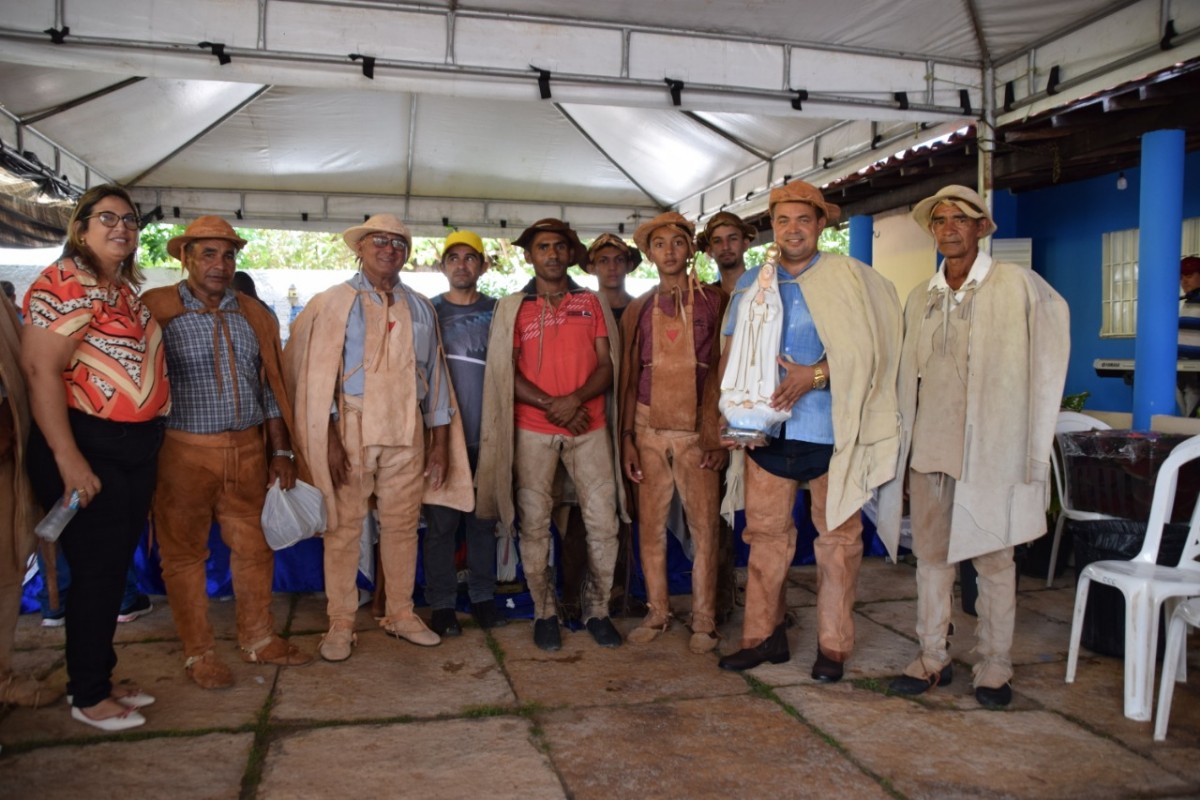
[[444, 622], [546, 635], [994, 698], [825, 669], [773, 649], [487, 615], [906, 684], [604, 632]]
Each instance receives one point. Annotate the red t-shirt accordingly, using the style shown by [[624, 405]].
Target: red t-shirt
[[557, 353]]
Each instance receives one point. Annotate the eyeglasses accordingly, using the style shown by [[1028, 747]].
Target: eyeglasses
[[109, 220], [383, 241]]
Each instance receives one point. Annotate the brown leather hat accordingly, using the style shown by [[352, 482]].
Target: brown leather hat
[[803, 192], [667, 219], [551, 225], [633, 256], [704, 238], [206, 227]]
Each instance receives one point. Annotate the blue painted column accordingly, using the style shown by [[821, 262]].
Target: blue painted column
[[1161, 233], [862, 237]]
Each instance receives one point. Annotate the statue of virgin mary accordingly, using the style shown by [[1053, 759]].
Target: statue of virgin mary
[[752, 374]]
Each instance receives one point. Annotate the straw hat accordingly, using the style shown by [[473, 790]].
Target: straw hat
[[966, 200], [379, 223]]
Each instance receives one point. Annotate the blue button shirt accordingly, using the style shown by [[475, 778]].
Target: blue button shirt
[[812, 415]]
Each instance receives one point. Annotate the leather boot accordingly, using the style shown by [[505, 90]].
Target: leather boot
[[773, 649]]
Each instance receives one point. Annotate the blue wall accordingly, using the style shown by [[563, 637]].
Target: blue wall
[[1066, 223]]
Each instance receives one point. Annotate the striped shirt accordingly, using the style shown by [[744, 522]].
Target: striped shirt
[[206, 398], [1189, 325]]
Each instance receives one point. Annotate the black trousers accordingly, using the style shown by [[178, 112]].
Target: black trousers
[[99, 542]]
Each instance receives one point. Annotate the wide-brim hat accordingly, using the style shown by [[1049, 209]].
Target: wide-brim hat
[[206, 227], [804, 192], [704, 238], [551, 225], [469, 238], [379, 223], [1189, 265], [633, 256], [966, 200], [667, 219]]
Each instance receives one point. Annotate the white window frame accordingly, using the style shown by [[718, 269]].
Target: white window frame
[[1119, 259]]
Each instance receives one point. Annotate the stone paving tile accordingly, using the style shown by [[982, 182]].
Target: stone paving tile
[[878, 579], [733, 746], [585, 674], [156, 667], [1027, 754], [1096, 699], [495, 758], [30, 633], [387, 677], [157, 625], [181, 768], [1037, 638], [798, 594], [1057, 603], [46, 663], [878, 652], [308, 615]]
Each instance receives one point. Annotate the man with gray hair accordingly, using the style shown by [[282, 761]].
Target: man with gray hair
[[981, 377], [377, 417]]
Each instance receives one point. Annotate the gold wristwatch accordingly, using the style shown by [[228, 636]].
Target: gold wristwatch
[[820, 380]]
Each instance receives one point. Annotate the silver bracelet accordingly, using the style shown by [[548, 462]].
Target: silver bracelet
[[288, 454]]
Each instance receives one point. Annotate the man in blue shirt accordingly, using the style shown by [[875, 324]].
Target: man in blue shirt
[[838, 353]]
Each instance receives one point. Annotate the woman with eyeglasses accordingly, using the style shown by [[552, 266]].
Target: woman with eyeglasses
[[94, 362]]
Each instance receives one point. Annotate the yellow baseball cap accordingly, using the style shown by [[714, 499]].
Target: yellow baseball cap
[[469, 238]]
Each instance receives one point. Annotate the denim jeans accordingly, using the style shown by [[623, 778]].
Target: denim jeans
[[64, 584]]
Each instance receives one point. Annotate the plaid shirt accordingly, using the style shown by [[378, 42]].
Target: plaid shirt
[[198, 405]]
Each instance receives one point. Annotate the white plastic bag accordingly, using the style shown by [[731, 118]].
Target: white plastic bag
[[291, 516], [506, 557]]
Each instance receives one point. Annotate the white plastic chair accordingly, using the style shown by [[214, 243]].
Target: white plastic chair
[[1068, 422], [1146, 587], [1186, 617]]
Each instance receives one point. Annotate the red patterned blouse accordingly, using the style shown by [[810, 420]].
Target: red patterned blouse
[[118, 370]]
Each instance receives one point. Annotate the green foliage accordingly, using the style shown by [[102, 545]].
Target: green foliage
[[277, 249], [152, 245], [836, 240], [265, 249], [1075, 402]]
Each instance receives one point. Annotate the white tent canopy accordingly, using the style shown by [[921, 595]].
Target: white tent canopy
[[329, 110]]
